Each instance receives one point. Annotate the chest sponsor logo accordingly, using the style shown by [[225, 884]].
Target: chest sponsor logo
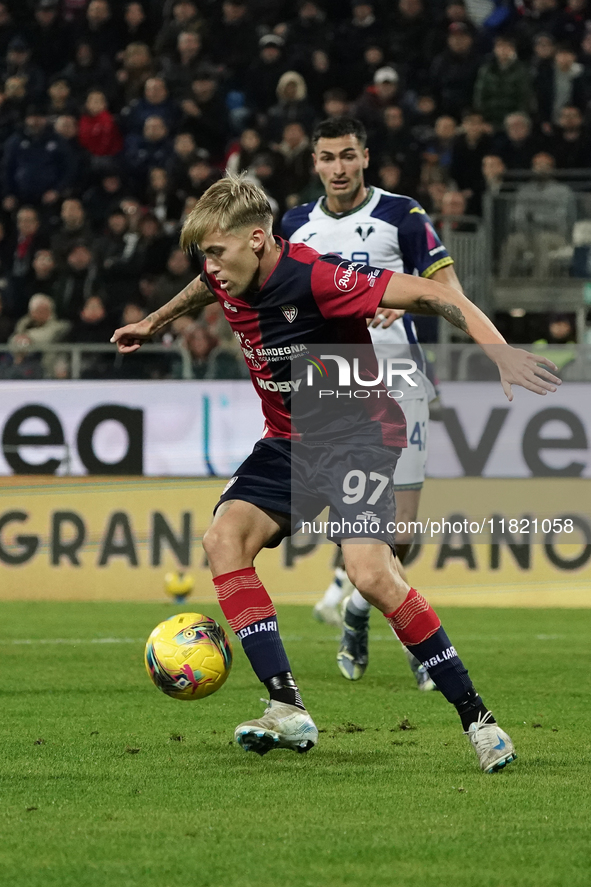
[[290, 312], [346, 276], [270, 385], [364, 231], [229, 307]]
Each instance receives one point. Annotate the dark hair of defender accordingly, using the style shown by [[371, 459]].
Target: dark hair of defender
[[339, 127]]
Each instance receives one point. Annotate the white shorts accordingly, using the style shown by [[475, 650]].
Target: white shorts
[[410, 469]]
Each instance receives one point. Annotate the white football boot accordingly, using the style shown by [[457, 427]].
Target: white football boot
[[281, 726], [491, 744]]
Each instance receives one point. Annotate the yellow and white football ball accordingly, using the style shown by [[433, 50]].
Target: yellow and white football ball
[[188, 656]]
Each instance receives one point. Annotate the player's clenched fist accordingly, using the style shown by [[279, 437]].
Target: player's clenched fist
[[129, 338]]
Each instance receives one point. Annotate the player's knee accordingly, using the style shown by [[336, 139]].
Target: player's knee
[[369, 579], [219, 545]]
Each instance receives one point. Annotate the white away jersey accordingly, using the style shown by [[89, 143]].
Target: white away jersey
[[388, 231]]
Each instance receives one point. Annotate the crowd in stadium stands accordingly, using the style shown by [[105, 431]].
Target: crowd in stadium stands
[[116, 116]]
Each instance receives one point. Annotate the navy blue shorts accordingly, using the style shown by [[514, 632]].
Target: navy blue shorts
[[299, 480]]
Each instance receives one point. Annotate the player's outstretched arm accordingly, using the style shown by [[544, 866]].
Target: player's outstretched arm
[[194, 296], [516, 366]]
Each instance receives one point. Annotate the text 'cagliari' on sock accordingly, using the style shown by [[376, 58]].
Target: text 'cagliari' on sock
[[251, 614], [418, 626]]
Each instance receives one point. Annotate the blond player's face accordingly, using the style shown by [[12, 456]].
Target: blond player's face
[[233, 258], [340, 164]]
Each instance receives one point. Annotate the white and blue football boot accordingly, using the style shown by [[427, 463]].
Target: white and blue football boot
[[281, 726], [491, 744]]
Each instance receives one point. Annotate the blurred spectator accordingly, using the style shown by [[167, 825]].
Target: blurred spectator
[[105, 196], [335, 103], [39, 326], [292, 106], [44, 276], [49, 38], [136, 69], [234, 39], [18, 63], [183, 67], [518, 145], [242, 154], [354, 34], [185, 17], [493, 172], [544, 214], [453, 210], [202, 174], [503, 84], [383, 92], [97, 130], [164, 204], [390, 177], [37, 164], [205, 113], [117, 261], [66, 127], [469, 149], [439, 150], [60, 99], [92, 326], [76, 282], [27, 239], [74, 229], [263, 75], [154, 245], [410, 34], [560, 84], [155, 102], [571, 145], [136, 26], [89, 71], [296, 151], [322, 75], [208, 359], [100, 29], [308, 31], [184, 154], [394, 142], [176, 277], [453, 73], [13, 101], [152, 148]]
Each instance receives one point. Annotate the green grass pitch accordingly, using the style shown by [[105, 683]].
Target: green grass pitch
[[105, 782]]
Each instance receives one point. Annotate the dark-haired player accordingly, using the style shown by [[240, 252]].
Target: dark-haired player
[[282, 299], [372, 226]]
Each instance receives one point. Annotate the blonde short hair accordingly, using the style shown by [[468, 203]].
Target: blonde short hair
[[230, 203]]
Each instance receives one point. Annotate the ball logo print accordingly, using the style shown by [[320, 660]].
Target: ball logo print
[[188, 656], [346, 276]]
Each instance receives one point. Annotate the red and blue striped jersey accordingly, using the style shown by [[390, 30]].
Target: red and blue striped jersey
[[309, 300]]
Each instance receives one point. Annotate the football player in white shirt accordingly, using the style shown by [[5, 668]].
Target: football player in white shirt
[[368, 225]]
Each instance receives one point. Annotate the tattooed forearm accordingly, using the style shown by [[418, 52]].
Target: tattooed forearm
[[425, 305], [194, 296]]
